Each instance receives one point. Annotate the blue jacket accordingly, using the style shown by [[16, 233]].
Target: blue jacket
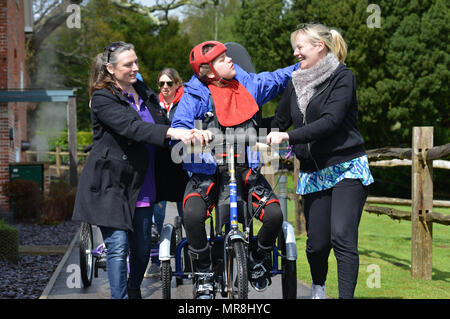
[[195, 103]]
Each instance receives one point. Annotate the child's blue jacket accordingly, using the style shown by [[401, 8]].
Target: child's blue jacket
[[195, 103]]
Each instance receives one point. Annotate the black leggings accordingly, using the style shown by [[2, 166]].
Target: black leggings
[[332, 221], [195, 217]]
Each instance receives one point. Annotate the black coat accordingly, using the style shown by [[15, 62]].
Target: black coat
[[329, 133], [171, 179], [115, 169]]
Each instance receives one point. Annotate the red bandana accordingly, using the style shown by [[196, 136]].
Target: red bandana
[[234, 104], [176, 98]]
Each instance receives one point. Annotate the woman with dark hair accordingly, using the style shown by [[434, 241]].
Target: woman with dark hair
[[172, 179], [117, 184]]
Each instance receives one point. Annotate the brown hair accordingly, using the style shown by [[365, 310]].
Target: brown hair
[[100, 78], [172, 74], [204, 68]]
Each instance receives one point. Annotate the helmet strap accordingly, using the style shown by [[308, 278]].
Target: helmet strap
[[216, 77]]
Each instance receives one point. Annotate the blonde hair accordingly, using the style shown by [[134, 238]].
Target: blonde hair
[[332, 39]]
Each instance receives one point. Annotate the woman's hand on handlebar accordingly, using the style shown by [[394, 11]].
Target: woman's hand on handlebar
[[277, 137], [186, 136], [203, 136]]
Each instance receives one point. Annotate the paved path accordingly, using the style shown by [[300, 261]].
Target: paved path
[[66, 283]]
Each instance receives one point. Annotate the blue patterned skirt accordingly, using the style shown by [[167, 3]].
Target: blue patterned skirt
[[357, 168]]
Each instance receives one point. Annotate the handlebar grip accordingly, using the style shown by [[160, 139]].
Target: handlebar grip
[[237, 138]]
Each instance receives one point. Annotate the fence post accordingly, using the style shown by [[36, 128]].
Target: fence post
[[422, 204], [72, 139], [58, 161]]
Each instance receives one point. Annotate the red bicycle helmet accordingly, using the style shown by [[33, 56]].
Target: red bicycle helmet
[[197, 57]]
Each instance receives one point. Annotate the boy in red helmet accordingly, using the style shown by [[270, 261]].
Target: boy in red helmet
[[221, 95]]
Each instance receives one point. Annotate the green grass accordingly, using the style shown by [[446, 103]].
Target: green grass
[[386, 243]]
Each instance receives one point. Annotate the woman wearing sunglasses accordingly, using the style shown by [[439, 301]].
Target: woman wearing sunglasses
[[117, 185], [171, 87], [172, 177]]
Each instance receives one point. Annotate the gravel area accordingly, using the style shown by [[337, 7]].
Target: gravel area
[[27, 279]]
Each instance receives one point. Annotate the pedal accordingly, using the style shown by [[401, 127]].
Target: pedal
[[261, 284], [101, 263], [204, 288]]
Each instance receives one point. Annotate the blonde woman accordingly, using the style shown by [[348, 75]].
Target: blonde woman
[[321, 104]]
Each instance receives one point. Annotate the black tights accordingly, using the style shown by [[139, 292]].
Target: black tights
[[195, 217], [332, 220]]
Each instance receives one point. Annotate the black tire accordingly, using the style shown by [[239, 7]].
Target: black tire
[[184, 257], [178, 224], [289, 275], [238, 275], [86, 258], [289, 279], [166, 277]]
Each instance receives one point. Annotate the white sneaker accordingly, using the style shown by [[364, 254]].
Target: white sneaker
[[318, 291]]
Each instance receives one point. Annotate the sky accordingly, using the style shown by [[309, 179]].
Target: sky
[[177, 12]]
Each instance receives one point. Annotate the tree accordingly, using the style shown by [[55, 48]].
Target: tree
[[68, 53], [51, 14], [263, 27], [417, 71], [212, 22], [401, 68]]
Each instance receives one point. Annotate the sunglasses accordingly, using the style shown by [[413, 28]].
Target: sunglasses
[[169, 83], [113, 47]]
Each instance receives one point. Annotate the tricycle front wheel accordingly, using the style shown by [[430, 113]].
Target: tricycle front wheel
[[166, 277]]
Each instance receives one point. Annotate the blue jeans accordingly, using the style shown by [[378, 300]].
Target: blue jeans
[[118, 242]]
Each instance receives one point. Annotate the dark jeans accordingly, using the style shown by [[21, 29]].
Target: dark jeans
[[118, 243], [332, 221]]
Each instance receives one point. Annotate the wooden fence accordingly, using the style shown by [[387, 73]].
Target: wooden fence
[[422, 157], [59, 168]]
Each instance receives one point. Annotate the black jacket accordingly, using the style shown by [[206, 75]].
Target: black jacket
[[171, 179], [115, 169], [329, 133]]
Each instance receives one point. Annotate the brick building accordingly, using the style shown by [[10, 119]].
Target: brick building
[[13, 115]]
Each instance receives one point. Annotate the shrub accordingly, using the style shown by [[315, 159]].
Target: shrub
[[58, 205], [9, 242], [29, 205], [25, 198], [83, 139]]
